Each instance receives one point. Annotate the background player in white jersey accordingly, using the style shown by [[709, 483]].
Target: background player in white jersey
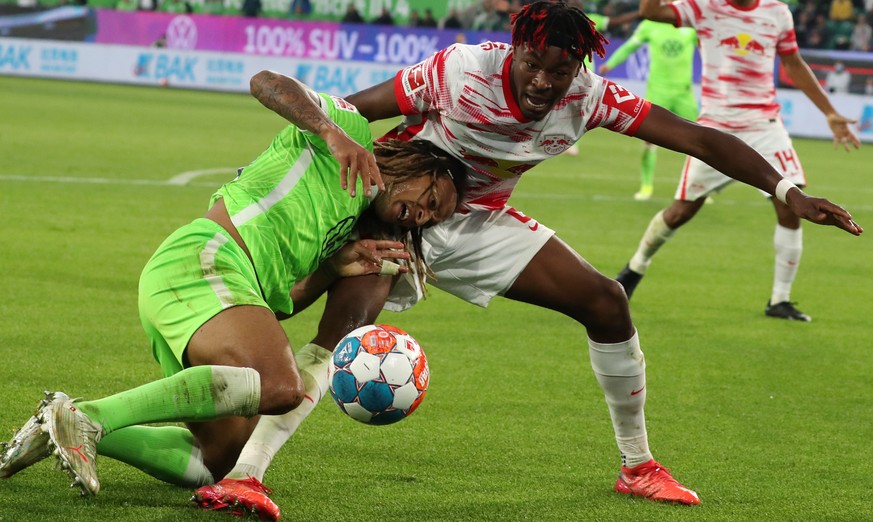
[[502, 109], [211, 296], [739, 41]]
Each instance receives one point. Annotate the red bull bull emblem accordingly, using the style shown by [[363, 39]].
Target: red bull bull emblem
[[743, 44], [556, 143]]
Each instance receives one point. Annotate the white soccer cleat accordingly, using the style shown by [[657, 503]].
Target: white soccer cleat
[[73, 439], [30, 444]]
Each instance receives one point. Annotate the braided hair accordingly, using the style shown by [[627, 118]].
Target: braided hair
[[400, 161], [548, 23]]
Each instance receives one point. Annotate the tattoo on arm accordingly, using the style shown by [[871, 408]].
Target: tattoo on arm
[[288, 98]]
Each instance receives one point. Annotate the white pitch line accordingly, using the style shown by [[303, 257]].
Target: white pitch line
[[183, 179], [186, 177], [189, 179], [92, 181]]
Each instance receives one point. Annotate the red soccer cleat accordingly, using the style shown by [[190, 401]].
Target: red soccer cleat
[[654, 482], [238, 497]]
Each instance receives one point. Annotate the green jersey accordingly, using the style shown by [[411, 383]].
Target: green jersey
[[288, 205], [671, 55]]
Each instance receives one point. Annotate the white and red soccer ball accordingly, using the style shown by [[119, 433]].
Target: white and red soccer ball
[[378, 374]]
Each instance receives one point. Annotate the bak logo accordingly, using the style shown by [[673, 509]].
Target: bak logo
[[182, 33], [15, 57]]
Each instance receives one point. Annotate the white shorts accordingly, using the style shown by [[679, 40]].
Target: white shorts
[[474, 256], [773, 143]]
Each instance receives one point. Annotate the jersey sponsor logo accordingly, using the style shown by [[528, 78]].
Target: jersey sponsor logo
[[501, 168], [673, 48], [743, 44], [413, 80], [556, 143]]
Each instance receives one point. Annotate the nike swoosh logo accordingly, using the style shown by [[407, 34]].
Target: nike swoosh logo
[[637, 392], [534, 227]]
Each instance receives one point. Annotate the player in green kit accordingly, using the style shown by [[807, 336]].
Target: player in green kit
[[669, 82], [211, 297]]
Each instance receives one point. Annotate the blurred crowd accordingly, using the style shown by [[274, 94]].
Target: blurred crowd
[[494, 15], [820, 24], [835, 24]]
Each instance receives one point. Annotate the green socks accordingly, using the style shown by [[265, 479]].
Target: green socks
[[647, 169], [164, 452], [201, 393]]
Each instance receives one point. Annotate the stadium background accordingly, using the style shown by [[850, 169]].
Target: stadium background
[[182, 43]]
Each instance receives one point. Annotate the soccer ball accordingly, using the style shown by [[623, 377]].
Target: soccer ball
[[378, 374]]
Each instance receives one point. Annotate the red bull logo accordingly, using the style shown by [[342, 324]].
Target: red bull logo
[[556, 144], [732, 41], [743, 44]]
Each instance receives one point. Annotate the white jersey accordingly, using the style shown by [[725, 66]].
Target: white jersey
[[738, 47], [460, 99]]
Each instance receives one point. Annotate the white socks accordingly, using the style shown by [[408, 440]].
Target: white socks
[[788, 244], [236, 402], [656, 235], [620, 369], [273, 431]]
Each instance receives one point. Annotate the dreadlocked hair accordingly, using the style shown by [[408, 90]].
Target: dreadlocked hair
[[547, 23], [400, 161]]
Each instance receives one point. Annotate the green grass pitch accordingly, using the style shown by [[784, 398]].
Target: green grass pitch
[[766, 420]]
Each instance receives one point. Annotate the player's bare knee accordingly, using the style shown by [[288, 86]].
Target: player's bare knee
[[279, 395], [610, 310]]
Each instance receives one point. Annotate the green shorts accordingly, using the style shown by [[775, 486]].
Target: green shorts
[[680, 103], [196, 273]]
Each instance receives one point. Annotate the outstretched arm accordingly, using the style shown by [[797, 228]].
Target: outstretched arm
[[300, 105], [619, 20], [377, 102], [799, 72], [732, 157], [624, 50], [654, 10]]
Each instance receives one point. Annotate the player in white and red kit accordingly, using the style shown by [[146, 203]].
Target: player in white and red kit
[[502, 109], [455, 114], [739, 42]]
